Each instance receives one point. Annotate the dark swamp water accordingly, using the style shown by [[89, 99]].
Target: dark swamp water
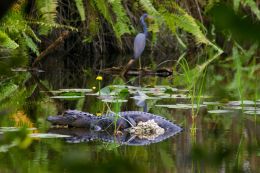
[[223, 137]]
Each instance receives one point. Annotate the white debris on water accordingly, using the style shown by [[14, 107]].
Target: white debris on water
[[147, 130]]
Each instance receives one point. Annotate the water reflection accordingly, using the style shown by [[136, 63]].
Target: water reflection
[[227, 142], [78, 135]]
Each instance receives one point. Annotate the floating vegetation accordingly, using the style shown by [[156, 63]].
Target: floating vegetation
[[212, 103], [72, 90], [114, 101], [140, 95], [253, 112], [81, 90], [182, 106], [5, 148], [13, 129], [175, 96], [251, 109], [47, 135], [67, 97], [219, 111], [244, 102], [233, 107]]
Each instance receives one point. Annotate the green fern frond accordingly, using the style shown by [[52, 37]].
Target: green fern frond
[[236, 4], [7, 42], [148, 6], [32, 34], [122, 25], [30, 43], [102, 7], [181, 19], [48, 13], [54, 25], [47, 9], [81, 9], [253, 6]]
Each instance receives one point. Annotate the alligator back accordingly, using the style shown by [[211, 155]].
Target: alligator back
[[106, 122]]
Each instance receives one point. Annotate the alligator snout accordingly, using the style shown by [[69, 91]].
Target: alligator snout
[[56, 120]]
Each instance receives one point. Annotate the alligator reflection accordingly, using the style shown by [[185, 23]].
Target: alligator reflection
[[79, 135]]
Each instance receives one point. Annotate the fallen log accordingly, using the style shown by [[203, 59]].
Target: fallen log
[[163, 72]]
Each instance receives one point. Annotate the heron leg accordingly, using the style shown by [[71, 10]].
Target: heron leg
[[140, 63]]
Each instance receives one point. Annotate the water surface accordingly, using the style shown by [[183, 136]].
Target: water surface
[[223, 137]]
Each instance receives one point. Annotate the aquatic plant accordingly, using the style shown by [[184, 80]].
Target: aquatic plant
[[99, 79]]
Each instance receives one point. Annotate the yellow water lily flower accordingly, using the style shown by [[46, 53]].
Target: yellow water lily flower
[[99, 78], [98, 113]]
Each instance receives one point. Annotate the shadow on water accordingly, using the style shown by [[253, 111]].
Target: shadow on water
[[220, 142]]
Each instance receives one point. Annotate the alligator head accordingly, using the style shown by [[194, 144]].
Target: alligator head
[[73, 118]]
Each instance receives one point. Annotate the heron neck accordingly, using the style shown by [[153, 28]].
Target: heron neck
[[144, 26]]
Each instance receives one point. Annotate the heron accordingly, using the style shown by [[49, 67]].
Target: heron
[[139, 45]]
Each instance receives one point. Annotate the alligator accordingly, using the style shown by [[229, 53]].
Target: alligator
[[87, 127]]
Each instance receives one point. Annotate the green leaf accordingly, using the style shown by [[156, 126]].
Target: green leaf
[[6, 41], [253, 6], [30, 43], [81, 10]]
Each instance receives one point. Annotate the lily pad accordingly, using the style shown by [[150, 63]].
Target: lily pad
[[91, 94], [252, 112], [82, 90], [12, 129], [212, 103], [47, 135], [114, 101], [118, 86], [140, 95], [164, 87], [146, 98], [67, 97], [233, 107], [251, 109], [219, 111], [238, 103], [175, 96], [182, 106]]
